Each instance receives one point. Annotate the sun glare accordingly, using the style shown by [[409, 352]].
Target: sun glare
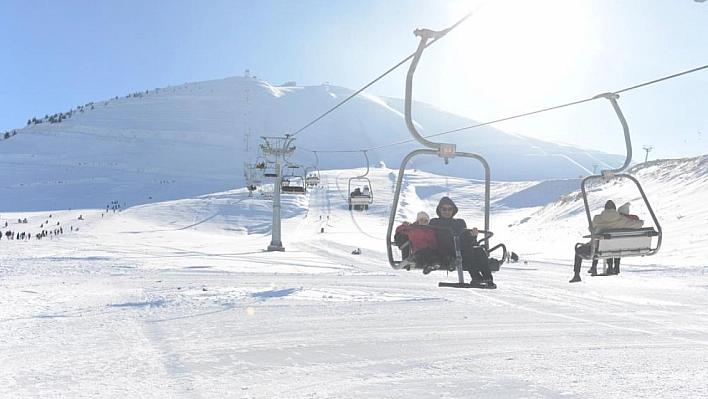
[[516, 50]]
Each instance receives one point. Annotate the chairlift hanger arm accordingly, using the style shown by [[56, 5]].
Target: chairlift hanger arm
[[367, 166], [609, 174], [424, 34], [625, 127]]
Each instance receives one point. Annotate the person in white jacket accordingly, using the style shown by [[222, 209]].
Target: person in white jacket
[[607, 220]]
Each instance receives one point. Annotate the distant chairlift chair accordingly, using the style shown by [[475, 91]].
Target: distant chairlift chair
[[293, 183]]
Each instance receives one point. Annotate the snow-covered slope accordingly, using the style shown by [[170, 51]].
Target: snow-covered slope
[[188, 140], [180, 299]]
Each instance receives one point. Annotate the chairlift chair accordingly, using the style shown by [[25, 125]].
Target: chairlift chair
[[260, 163], [623, 242], [361, 194], [313, 177], [293, 182], [313, 173], [401, 256], [253, 177], [357, 198], [446, 152], [270, 170]]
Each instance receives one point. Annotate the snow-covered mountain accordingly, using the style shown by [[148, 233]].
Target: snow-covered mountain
[[187, 140]]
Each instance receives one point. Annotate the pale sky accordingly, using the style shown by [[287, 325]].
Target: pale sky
[[509, 57]]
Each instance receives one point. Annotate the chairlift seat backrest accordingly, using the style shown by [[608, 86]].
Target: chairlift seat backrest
[[293, 189], [360, 200], [621, 243]]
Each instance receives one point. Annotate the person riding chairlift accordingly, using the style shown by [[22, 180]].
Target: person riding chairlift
[[613, 264], [422, 240], [608, 219], [475, 259]]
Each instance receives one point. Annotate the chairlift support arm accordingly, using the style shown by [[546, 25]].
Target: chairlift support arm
[[625, 127], [367, 165], [317, 160], [446, 150]]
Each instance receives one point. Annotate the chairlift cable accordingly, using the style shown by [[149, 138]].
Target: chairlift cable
[[532, 112], [356, 93], [571, 103], [331, 151], [662, 79], [511, 117]]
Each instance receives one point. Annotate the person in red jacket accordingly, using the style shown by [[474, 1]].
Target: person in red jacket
[[422, 240]]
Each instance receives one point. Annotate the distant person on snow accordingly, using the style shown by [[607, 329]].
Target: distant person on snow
[[423, 241], [475, 259], [608, 219], [512, 257]]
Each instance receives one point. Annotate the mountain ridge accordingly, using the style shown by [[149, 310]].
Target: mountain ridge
[[194, 134]]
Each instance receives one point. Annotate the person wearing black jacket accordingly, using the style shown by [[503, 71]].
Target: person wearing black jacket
[[474, 258]]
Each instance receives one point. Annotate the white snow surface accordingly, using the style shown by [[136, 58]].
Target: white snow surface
[[181, 299]]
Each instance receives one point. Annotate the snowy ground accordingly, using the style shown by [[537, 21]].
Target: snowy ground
[[180, 300]]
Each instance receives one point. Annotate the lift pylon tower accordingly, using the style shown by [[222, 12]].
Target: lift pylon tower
[[248, 171], [278, 147]]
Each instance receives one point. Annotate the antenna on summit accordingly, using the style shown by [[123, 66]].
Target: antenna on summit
[[648, 149]]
